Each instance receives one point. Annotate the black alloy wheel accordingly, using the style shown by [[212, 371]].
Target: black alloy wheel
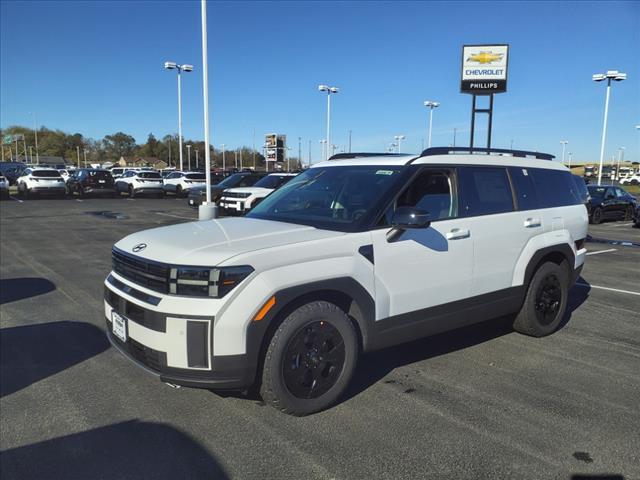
[[596, 217], [548, 299], [313, 360]]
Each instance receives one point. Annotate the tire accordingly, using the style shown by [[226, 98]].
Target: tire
[[313, 327], [80, 191], [178, 191], [596, 216], [132, 192], [160, 195], [545, 302], [628, 214]]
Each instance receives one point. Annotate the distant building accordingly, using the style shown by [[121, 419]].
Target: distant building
[[152, 162]]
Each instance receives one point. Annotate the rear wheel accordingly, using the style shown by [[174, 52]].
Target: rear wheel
[[132, 192], [596, 216], [545, 301], [310, 360], [178, 191]]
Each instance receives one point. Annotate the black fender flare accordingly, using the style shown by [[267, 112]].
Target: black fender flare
[[552, 251]]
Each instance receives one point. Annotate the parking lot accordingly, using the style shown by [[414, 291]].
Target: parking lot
[[482, 402]]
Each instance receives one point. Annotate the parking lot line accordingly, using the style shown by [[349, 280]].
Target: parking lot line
[[603, 251], [581, 284], [626, 224], [174, 216], [16, 199]]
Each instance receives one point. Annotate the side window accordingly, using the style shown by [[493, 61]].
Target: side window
[[524, 189], [484, 191], [555, 188], [430, 191], [620, 193]]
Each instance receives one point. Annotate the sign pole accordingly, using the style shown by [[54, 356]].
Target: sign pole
[[473, 123], [490, 120]]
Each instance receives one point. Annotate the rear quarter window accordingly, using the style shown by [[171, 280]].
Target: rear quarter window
[[554, 188], [525, 191]]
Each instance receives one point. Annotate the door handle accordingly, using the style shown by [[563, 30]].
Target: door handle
[[458, 233], [532, 222]]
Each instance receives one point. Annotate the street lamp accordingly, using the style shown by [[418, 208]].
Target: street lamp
[[398, 139], [329, 90], [620, 159], [599, 77], [564, 144], [189, 156], [224, 163], [324, 148], [570, 157], [430, 105], [180, 69]]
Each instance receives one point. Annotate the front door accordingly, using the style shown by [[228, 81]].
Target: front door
[[425, 267]]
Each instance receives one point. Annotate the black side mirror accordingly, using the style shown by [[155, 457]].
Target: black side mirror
[[405, 218]]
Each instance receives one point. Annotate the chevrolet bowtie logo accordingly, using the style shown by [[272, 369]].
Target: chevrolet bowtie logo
[[485, 57]]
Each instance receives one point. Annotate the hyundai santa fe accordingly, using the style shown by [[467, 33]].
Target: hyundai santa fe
[[357, 253]]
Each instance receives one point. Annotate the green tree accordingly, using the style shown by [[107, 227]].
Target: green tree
[[119, 145]]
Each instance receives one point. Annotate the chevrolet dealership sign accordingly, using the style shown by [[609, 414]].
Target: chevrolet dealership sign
[[484, 69]]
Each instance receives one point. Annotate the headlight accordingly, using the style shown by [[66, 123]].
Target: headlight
[[206, 282]]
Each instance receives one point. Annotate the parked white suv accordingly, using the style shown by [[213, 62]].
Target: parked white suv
[[179, 183], [242, 199], [136, 182], [633, 179], [41, 181], [4, 187], [355, 254]]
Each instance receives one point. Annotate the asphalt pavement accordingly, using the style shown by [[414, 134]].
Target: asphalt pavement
[[482, 402]]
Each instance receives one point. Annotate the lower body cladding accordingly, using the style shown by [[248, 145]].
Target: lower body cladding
[[177, 348], [148, 190], [48, 190], [100, 190]]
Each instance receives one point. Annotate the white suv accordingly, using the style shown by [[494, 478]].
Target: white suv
[[41, 181], [355, 254], [136, 182], [180, 183], [243, 199]]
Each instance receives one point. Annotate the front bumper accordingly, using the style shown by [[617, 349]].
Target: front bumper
[[232, 206], [176, 348]]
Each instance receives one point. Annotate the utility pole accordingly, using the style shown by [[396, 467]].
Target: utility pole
[[78, 151], [309, 153], [84, 151], [349, 141], [455, 130], [197, 161], [300, 151], [254, 149]]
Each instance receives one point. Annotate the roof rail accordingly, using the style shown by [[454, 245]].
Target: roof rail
[[505, 151], [342, 156]]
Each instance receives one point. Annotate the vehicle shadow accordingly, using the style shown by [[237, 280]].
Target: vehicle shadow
[[374, 366], [13, 289], [131, 449], [31, 353]]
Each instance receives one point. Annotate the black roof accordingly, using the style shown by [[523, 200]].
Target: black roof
[[507, 151]]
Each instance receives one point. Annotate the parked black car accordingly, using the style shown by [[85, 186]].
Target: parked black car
[[637, 216], [198, 195], [86, 181], [12, 170], [610, 202]]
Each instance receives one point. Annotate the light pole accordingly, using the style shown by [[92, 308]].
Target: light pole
[[197, 160], [620, 160], [180, 69], [349, 141], [309, 153], [235, 156], [430, 105], [78, 151], [398, 139], [224, 163], [564, 145], [599, 77], [329, 90], [300, 151], [35, 134], [570, 158], [189, 156], [84, 151]]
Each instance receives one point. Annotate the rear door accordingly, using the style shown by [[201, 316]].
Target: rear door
[[500, 231]]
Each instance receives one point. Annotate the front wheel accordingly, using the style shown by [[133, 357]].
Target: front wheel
[[178, 191], [628, 214], [545, 301], [132, 192], [596, 216], [310, 360]]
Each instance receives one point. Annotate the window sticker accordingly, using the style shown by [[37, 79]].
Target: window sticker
[[524, 172], [384, 172]]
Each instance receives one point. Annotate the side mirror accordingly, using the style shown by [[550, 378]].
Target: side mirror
[[405, 218]]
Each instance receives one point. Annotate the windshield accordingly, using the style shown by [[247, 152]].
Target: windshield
[[231, 181], [195, 176], [46, 173], [149, 175], [272, 181], [335, 198]]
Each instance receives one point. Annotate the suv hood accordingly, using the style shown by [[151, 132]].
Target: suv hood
[[211, 242]]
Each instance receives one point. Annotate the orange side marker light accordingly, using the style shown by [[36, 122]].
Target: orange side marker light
[[265, 309]]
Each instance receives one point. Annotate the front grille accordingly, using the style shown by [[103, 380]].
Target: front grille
[[152, 275], [235, 194]]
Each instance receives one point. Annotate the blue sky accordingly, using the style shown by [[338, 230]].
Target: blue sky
[[96, 68]]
